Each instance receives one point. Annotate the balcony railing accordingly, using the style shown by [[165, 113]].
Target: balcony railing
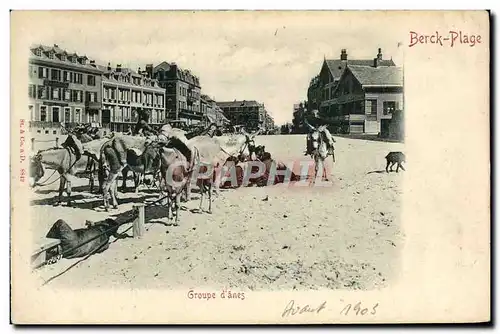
[[93, 104], [44, 124]]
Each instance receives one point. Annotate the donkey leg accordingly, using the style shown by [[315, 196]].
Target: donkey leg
[[123, 188], [114, 193], [210, 197], [168, 205], [400, 164], [392, 165], [202, 194], [177, 206], [68, 192], [387, 166], [62, 183]]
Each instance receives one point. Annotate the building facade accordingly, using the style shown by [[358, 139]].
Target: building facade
[[182, 91], [64, 88], [125, 93], [250, 114], [366, 96], [212, 112], [313, 94], [323, 86]]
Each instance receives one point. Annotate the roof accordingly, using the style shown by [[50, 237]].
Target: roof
[[234, 104], [58, 58], [378, 76], [181, 74], [337, 66]]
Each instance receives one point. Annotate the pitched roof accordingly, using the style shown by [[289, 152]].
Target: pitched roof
[[337, 66], [378, 76], [244, 103]]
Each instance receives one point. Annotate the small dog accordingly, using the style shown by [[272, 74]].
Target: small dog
[[395, 158]]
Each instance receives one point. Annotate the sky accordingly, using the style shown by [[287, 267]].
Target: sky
[[265, 56]]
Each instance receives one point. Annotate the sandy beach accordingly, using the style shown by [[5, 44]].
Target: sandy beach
[[345, 236]]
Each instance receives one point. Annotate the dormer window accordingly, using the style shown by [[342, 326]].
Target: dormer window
[[63, 57], [73, 59], [51, 55], [38, 52]]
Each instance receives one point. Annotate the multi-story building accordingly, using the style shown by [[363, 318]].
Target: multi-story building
[[125, 93], [250, 114], [329, 76], [366, 97], [339, 92], [269, 123], [313, 94], [64, 88], [212, 112], [182, 90]]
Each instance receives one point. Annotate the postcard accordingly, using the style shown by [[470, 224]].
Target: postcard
[[250, 167]]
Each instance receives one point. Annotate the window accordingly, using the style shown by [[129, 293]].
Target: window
[[51, 55], [30, 108], [66, 76], [78, 78], [55, 75], [91, 96], [43, 72], [91, 80], [38, 52], [67, 95], [42, 92], [389, 107], [32, 91], [77, 115], [31, 71], [77, 96], [63, 57], [55, 94], [73, 59], [55, 114], [371, 107], [67, 115]]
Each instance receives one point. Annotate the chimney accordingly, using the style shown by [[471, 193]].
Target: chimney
[[149, 70], [92, 62], [139, 70], [118, 67], [343, 54], [379, 55], [56, 46], [109, 66]]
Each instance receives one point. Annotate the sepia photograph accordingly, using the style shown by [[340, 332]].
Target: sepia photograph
[[212, 157]]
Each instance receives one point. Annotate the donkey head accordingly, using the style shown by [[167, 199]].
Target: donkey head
[[36, 170]]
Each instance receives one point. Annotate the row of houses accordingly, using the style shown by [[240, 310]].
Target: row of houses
[[356, 95], [67, 88]]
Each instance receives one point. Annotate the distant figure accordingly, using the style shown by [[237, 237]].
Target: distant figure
[[142, 127], [395, 158], [314, 125], [129, 131]]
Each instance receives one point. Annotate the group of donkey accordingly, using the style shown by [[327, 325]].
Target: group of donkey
[[171, 155]]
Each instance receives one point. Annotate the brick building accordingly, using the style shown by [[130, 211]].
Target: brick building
[[64, 88], [126, 93], [366, 95], [249, 114], [354, 95], [212, 112], [182, 90]]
